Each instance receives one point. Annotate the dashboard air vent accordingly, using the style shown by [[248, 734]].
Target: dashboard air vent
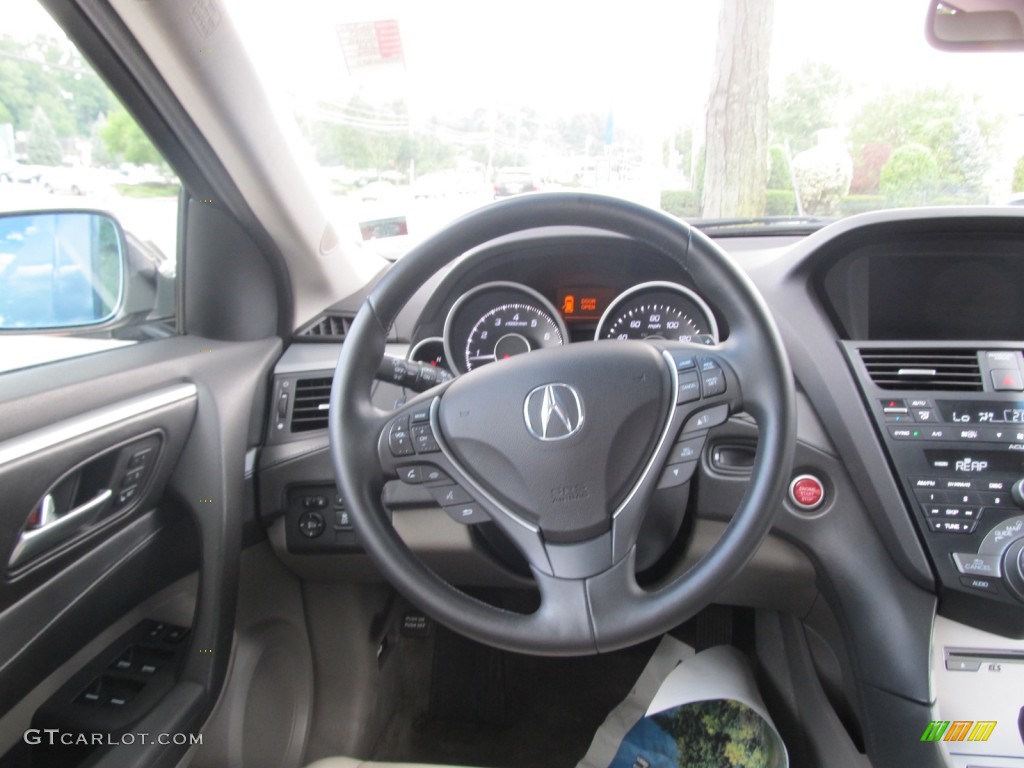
[[326, 328], [310, 409], [954, 370]]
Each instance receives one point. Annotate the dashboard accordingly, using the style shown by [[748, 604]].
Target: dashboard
[[906, 339]]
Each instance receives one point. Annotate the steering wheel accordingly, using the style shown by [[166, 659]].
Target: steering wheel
[[563, 448]]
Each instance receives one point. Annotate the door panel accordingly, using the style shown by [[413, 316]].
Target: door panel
[[69, 434]]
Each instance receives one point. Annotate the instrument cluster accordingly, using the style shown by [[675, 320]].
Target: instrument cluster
[[500, 319]]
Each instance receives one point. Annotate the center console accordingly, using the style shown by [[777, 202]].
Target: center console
[[952, 423]]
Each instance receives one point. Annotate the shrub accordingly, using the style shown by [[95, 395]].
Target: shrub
[[910, 176], [780, 202], [684, 203]]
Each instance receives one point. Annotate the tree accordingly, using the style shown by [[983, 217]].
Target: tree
[[43, 146], [910, 176], [808, 103], [123, 138], [736, 161], [1018, 176]]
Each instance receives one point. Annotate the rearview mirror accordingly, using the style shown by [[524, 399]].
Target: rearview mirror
[[60, 269], [976, 25]]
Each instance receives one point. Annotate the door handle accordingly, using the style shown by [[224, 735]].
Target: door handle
[[53, 528]]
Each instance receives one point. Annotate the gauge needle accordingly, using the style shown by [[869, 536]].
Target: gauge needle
[[483, 357]]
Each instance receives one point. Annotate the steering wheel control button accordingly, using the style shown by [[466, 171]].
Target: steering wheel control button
[[420, 415], [423, 439], [399, 440], [675, 475], [448, 495], [684, 360], [807, 492], [978, 565], [712, 417], [411, 475], [687, 450], [712, 380], [311, 524], [689, 388], [467, 514]]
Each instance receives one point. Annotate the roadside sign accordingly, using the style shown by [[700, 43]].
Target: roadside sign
[[371, 43]]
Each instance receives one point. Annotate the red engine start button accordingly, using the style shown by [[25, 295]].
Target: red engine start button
[[807, 492]]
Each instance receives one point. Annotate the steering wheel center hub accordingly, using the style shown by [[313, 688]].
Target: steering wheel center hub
[[561, 436]]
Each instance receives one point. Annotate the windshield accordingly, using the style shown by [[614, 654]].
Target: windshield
[[792, 108]]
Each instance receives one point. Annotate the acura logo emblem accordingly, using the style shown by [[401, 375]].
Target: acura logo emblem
[[553, 412]]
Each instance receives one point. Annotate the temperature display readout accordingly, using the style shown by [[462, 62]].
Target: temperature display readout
[[968, 412]]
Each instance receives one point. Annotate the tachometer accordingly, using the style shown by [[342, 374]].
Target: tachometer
[[659, 310], [497, 321]]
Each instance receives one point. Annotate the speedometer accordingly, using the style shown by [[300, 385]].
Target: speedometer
[[659, 310], [499, 320]]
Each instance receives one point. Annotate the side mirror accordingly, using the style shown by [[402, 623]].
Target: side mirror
[[976, 25], [60, 269]]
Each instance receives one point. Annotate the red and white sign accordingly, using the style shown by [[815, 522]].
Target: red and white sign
[[371, 43]]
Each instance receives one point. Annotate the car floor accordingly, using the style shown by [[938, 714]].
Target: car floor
[[481, 707]]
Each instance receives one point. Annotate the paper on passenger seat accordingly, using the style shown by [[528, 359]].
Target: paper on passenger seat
[[686, 704]]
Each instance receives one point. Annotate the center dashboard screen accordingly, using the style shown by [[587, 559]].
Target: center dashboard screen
[[955, 297]]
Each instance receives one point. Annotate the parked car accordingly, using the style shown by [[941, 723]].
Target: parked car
[[264, 527], [514, 181]]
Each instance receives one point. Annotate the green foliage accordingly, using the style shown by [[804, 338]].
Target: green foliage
[[778, 169], [148, 189], [717, 733], [684, 203], [1018, 176], [949, 123], [853, 204], [49, 73], [780, 202], [808, 103], [43, 146], [123, 139], [867, 167], [910, 176]]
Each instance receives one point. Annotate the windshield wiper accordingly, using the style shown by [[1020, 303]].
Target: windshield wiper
[[768, 225]]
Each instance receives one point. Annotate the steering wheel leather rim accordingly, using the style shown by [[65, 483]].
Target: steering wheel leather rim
[[605, 610]]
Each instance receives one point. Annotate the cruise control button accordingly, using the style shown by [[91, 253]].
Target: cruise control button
[[689, 388], [423, 439], [446, 495], [712, 382], [978, 565], [675, 475], [712, 417], [467, 514], [684, 360], [687, 450]]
